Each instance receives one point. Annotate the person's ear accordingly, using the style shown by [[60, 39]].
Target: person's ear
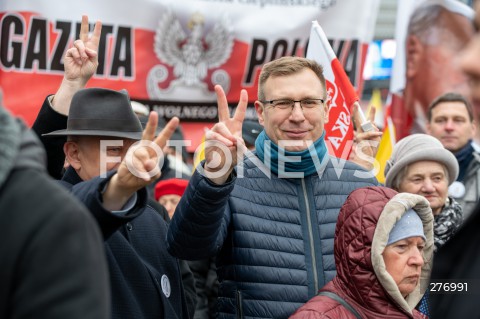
[[414, 51], [260, 112], [71, 151]]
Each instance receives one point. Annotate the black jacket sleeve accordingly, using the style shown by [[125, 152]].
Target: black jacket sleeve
[[89, 193], [48, 121], [198, 227]]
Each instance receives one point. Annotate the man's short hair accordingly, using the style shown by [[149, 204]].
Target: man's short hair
[[289, 65], [423, 20], [450, 97], [430, 23]]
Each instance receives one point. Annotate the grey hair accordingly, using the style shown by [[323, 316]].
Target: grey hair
[[425, 23], [73, 138], [399, 178]]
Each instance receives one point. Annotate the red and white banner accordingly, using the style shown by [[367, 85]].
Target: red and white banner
[[168, 53], [341, 94]]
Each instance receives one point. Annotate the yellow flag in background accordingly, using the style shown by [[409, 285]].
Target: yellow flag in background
[[385, 149], [199, 154], [376, 102]]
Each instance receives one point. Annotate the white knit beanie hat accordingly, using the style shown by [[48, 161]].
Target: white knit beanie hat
[[419, 147]]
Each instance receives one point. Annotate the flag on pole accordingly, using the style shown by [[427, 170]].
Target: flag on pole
[[385, 149], [340, 93]]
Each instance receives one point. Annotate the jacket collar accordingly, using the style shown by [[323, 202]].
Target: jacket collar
[[71, 176]]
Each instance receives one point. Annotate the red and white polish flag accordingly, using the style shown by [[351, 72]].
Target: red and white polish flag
[[341, 93]]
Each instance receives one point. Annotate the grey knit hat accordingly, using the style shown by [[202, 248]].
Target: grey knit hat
[[419, 147]]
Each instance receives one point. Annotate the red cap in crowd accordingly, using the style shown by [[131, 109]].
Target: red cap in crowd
[[173, 186]]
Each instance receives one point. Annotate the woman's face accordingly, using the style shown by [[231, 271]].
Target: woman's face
[[427, 178], [403, 261], [170, 202]]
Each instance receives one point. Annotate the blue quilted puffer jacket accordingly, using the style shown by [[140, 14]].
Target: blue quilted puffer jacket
[[273, 237]]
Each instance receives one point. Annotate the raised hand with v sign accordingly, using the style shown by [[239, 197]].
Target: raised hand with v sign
[[140, 166], [80, 63], [223, 143]]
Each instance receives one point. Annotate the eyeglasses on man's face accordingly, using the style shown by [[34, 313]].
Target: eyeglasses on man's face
[[287, 104]]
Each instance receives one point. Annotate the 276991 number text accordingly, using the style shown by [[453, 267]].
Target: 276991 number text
[[448, 287]]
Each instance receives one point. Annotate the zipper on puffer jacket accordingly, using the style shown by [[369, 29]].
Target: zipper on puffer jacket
[[239, 305], [310, 235]]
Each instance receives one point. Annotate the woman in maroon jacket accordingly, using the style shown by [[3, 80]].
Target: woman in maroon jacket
[[383, 250]]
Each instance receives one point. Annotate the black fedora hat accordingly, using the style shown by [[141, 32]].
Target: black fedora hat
[[101, 112]]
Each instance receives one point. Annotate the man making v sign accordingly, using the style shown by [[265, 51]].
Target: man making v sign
[[270, 219], [108, 171]]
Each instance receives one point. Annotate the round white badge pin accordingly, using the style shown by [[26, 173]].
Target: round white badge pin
[[456, 190], [166, 288]]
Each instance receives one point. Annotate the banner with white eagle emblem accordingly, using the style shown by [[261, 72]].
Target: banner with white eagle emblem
[[169, 54]]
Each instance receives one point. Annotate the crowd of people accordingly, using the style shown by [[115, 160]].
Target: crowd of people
[[266, 226]]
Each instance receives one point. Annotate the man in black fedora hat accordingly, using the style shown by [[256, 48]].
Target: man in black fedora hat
[[97, 115], [109, 176]]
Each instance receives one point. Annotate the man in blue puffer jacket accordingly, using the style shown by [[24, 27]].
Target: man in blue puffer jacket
[[270, 221]]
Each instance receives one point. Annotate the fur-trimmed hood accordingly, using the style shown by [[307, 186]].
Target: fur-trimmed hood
[[361, 234]]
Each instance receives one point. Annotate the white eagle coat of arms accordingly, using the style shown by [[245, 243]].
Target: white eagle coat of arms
[[191, 57]]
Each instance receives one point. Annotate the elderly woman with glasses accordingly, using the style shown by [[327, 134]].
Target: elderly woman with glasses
[[421, 165]]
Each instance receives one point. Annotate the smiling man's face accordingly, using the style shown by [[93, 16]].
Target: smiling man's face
[[295, 124]]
